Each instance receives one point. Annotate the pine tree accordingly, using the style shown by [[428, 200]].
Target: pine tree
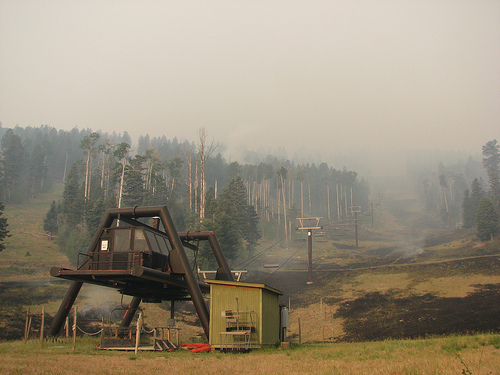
[[37, 171], [251, 231], [50, 220], [491, 162], [487, 220], [72, 202], [468, 214], [95, 214], [236, 219], [13, 164], [133, 189], [210, 204], [4, 233]]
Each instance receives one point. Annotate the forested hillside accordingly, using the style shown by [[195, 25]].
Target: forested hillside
[[244, 203]]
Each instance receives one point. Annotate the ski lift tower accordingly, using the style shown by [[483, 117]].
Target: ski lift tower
[[309, 224]]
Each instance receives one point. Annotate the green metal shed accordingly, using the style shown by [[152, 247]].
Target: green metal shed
[[243, 315]]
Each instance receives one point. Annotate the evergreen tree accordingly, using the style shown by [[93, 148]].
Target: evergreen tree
[[37, 171], [50, 220], [476, 194], [487, 220], [237, 221], [210, 204], [491, 162], [229, 237], [13, 164], [251, 231], [96, 212], [468, 214], [72, 202], [174, 168], [4, 233], [133, 189], [233, 202]]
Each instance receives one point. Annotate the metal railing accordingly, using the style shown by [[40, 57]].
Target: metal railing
[[119, 260]]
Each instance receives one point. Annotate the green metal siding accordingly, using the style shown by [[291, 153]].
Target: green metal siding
[[271, 318], [263, 303]]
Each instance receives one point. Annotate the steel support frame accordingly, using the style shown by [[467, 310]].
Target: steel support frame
[[181, 261]]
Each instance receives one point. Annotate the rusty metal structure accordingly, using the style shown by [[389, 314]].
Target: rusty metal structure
[[145, 261]]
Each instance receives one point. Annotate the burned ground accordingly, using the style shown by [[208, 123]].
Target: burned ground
[[378, 316], [459, 302]]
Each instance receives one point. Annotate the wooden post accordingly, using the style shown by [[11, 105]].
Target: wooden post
[[29, 324], [74, 328], [42, 325], [138, 333], [300, 333], [67, 327], [333, 327], [102, 330], [321, 305], [26, 333]]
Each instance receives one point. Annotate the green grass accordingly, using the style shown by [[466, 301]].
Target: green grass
[[453, 354], [28, 253]]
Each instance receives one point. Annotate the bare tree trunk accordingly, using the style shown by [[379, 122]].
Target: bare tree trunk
[[189, 177], [301, 198], [121, 184], [338, 202], [328, 199], [87, 172], [196, 186], [446, 201], [284, 209], [204, 151], [345, 201], [65, 166], [268, 199], [310, 204], [278, 193]]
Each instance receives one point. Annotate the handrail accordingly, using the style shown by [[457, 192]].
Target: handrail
[[89, 256]]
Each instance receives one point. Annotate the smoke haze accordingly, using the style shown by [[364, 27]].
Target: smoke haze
[[317, 80]]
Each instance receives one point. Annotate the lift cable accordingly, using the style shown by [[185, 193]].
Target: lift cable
[[285, 262], [248, 261]]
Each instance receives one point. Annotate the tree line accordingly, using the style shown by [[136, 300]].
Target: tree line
[[242, 202], [465, 195], [481, 208]]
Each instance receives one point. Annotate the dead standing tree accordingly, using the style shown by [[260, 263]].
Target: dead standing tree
[[186, 151], [204, 152]]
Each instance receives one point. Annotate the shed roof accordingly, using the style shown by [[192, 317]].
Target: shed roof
[[240, 284]]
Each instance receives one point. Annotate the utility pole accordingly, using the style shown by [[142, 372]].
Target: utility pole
[[355, 210], [309, 224]]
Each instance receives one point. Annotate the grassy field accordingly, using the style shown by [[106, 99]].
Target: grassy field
[[28, 253], [476, 354]]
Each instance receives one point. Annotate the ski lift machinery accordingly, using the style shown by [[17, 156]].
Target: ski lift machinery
[[144, 261]]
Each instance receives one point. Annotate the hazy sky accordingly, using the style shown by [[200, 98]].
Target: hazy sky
[[311, 77]]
